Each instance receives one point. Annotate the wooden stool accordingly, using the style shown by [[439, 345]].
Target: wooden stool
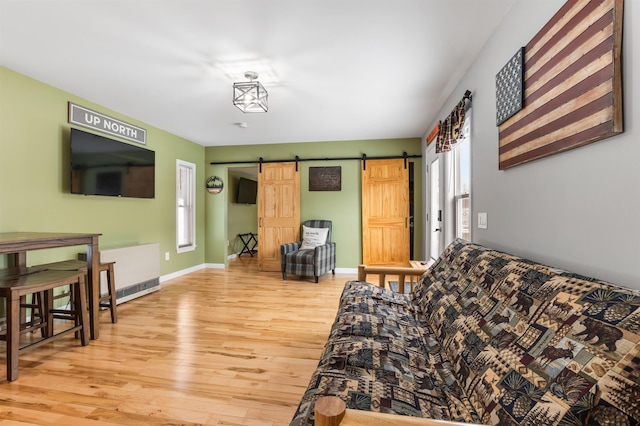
[[37, 317], [108, 300], [43, 282]]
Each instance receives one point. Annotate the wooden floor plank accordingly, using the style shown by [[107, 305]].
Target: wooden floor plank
[[214, 347]]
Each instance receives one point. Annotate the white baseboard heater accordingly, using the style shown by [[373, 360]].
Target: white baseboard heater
[[137, 270]]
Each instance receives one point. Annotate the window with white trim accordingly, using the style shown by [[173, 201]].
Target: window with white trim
[[185, 206], [462, 170]]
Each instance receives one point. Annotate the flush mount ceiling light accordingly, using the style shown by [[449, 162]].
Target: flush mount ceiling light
[[250, 96]]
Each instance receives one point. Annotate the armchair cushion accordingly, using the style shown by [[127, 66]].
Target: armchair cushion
[[300, 257]]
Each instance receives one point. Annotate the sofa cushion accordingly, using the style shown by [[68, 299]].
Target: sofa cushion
[[531, 344], [486, 337], [376, 359]]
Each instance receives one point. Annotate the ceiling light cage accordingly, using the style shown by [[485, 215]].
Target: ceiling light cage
[[250, 96]]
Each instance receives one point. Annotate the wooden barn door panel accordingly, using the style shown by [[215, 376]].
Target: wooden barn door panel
[[278, 212], [385, 213]]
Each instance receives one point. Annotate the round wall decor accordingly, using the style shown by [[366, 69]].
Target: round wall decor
[[214, 185]]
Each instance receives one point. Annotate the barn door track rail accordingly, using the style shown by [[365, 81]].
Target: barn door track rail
[[297, 160]]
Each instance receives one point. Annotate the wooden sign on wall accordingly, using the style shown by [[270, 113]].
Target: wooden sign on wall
[[572, 85], [103, 123], [325, 178]]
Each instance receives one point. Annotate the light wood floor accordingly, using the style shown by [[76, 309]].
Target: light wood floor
[[233, 347]]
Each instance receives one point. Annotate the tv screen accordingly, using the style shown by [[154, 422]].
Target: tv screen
[[103, 166], [247, 191]]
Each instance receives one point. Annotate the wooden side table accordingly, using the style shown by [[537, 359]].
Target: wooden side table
[[417, 264]]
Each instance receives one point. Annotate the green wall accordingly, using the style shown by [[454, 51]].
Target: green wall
[[34, 179], [34, 184], [343, 207]]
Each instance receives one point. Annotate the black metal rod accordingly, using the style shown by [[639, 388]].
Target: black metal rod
[[298, 159]]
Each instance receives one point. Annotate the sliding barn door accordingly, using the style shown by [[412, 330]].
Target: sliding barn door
[[385, 213], [278, 212]]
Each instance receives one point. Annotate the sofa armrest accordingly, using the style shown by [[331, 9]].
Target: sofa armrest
[[383, 271], [331, 411]]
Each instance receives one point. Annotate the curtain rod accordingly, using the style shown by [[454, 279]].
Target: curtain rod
[[297, 159]]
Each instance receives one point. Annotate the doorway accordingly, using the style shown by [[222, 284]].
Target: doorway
[[242, 217], [434, 222]]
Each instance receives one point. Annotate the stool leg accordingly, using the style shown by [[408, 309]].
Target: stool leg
[[38, 301], [36, 310], [113, 306], [47, 295], [73, 294], [81, 309], [23, 314]]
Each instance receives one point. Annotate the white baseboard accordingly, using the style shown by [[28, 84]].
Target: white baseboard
[[234, 255], [346, 270], [182, 272]]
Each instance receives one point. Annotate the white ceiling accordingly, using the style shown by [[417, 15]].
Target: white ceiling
[[347, 69]]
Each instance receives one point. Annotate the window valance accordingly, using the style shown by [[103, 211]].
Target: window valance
[[450, 129]]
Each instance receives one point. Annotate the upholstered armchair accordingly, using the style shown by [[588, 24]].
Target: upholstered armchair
[[314, 255]]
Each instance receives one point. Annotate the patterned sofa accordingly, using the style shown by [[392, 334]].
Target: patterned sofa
[[486, 337]]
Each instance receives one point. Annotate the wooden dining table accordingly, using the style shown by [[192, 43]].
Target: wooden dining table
[[17, 244]]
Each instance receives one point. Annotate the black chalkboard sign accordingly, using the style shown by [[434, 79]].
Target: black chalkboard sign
[[325, 178]]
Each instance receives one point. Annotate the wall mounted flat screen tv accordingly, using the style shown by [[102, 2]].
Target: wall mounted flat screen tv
[[103, 166], [247, 191]]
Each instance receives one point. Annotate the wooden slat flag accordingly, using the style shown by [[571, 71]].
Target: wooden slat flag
[[572, 83]]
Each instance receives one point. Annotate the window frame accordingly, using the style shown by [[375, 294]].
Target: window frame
[[186, 221], [460, 196]]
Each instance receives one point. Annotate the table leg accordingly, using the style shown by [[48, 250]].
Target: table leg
[[93, 274], [13, 336], [18, 259]]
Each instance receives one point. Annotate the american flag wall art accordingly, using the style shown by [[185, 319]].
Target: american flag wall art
[[572, 84]]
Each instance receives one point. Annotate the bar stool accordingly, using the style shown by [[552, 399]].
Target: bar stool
[[107, 300], [43, 282], [32, 309]]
